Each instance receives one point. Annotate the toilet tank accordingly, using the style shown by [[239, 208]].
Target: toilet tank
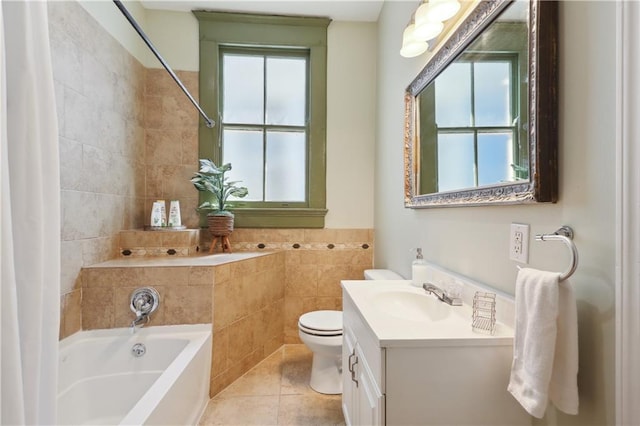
[[381, 274]]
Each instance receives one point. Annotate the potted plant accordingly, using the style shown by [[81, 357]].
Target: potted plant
[[211, 178]]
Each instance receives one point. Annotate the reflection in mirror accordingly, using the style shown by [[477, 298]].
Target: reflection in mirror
[[468, 133]]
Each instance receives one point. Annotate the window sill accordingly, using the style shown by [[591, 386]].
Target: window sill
[[279, 217]]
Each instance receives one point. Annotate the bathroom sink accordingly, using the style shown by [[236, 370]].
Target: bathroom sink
[[410, 305], [399, 314]]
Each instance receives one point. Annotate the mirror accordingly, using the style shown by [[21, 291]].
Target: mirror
[[481, 116]]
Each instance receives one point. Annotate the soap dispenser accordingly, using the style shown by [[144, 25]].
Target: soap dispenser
[[419, 270]]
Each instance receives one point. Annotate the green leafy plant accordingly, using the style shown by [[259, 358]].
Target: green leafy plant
[[211, 178]]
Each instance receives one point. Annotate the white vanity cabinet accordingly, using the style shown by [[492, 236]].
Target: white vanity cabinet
[[390, 379], [362, 398]]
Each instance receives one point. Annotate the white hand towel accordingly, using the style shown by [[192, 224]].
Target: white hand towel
[[545, 353]]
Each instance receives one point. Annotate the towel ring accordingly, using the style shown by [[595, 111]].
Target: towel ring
[[564, 234]]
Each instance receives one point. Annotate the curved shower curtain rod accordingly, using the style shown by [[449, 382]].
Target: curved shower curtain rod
[[209, 122]]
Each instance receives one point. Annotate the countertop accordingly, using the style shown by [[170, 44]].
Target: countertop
[[395, 324]]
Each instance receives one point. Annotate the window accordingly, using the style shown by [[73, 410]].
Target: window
[[264, 123], [264, 77], [477, 122]]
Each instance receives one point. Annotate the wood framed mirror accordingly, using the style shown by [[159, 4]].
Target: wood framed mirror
[[481, 117]]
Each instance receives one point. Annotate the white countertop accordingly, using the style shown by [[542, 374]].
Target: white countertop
[[395, 323]]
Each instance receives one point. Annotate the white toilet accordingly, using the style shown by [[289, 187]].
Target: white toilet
[[321, 331]]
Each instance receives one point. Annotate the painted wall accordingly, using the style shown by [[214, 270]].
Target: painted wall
[[474, 241], [115, 23]]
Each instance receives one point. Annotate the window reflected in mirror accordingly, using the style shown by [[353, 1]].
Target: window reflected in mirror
[[472, 118]]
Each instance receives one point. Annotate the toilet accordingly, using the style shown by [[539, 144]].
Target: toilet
[[321, 331]]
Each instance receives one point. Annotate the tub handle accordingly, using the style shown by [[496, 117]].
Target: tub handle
[[144, 301]]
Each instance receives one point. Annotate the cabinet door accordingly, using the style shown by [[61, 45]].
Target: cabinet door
[[370, 398], [349, 389]]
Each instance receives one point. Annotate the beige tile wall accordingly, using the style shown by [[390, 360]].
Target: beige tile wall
[[185, 294], [99, 97], [315, 262], [171, 142], [247, 316], [137, 243]]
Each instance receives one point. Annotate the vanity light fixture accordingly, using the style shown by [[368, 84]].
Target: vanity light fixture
[[428, 24]]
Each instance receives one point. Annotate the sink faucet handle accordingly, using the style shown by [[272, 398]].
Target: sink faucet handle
[[441, 295]]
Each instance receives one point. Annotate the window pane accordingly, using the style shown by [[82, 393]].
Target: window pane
[[243, 149], [243, 87], [492, 93], [453, 96], [286, 91], [286, 166], [495, 157], [455, 161]]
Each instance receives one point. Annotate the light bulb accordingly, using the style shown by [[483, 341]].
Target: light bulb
[[441, 10], [411, 47], [426, 27]]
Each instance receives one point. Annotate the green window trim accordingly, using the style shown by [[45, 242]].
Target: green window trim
[[219, 30]]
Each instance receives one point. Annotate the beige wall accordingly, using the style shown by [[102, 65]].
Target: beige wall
[[351, 114], [474, 241]]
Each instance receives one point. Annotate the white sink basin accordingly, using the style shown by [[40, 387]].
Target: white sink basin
[[400, 314], [410, 305]]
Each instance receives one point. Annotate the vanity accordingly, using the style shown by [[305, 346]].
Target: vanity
[[411, 359]]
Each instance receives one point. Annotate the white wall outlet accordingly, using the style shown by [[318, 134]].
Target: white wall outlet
[[519, 243]]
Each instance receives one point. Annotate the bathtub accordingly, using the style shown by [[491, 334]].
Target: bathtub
[[102, 382]]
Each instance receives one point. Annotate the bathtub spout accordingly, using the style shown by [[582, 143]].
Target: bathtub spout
[[140, 321]]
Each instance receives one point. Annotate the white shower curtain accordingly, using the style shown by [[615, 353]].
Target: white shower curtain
[[29, 218]]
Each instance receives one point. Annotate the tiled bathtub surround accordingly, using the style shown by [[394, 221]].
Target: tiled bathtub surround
[[247, 316], [254, 304], [100, 106], [244, 299], [171, 142], [137, 243]]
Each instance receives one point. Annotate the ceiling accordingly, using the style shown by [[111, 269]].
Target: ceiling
[[338, 10]]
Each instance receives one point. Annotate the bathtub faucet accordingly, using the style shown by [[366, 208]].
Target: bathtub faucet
[[144, 301], [141, 320]]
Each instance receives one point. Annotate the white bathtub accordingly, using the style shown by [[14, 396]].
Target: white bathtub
[[102, 382]]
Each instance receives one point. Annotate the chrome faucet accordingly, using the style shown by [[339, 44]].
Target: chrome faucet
[[441, 295], [139, 322], [144, 301]]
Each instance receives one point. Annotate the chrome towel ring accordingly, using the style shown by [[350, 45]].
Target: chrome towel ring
[[564, 234]]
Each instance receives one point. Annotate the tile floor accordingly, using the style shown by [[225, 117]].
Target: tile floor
[[275, 392]]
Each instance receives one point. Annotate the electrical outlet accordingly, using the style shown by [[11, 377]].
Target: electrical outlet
[[519, 243]]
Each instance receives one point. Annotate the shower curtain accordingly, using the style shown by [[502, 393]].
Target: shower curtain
[[29, 218]]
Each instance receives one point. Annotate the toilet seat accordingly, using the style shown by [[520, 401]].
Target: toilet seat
[[321, 323]]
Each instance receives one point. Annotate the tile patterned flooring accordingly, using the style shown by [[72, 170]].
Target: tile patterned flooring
[[275, 392]]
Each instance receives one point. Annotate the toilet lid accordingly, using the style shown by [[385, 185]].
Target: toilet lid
[[331, 333], [323, 321]]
